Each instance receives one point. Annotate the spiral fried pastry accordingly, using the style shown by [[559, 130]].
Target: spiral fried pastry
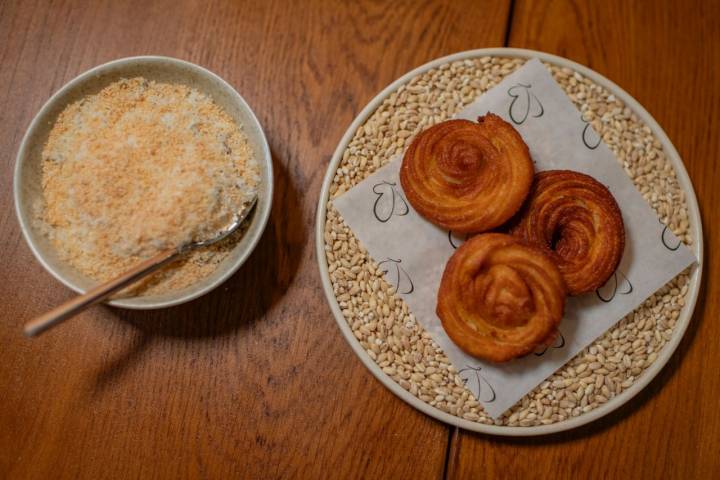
[[465, 176], [578, 221], [500, 298]]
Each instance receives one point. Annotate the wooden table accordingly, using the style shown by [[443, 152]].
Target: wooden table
[[254, 380]]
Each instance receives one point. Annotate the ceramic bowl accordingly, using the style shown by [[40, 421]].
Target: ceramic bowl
[[27, 180]]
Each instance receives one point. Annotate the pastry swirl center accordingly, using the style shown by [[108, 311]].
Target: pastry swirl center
[[504, 297]]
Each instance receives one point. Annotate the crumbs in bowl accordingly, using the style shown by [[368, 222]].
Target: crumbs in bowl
[[139, 167]]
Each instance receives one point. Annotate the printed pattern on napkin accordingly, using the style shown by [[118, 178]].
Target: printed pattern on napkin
[[412, 252]]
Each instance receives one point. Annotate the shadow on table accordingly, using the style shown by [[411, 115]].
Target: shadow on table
[[636, 402], [241, 300]]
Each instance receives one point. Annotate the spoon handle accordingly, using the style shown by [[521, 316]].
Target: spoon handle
[[98, 294]]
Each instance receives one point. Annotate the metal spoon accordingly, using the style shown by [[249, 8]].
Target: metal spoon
[[103, 291]]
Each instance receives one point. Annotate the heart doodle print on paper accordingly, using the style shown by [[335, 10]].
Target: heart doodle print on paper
[[398, 276], [590, 137], [524, 101], [389, 201]]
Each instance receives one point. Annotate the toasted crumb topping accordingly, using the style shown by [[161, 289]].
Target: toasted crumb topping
[[139, 167]]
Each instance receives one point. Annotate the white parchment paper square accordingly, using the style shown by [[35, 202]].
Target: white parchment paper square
[[413, 252]]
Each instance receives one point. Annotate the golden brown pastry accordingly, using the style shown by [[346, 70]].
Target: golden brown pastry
[[500, 298], [465, 176], [577, 220]]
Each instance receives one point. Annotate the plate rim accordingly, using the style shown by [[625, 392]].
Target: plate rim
[[695, 276]]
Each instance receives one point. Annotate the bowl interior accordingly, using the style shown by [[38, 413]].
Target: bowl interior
[[28, 168]]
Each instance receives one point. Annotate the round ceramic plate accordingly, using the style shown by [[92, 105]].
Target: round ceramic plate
[[695, 229]]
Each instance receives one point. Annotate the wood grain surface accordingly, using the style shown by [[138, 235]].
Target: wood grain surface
[[254, 380]]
